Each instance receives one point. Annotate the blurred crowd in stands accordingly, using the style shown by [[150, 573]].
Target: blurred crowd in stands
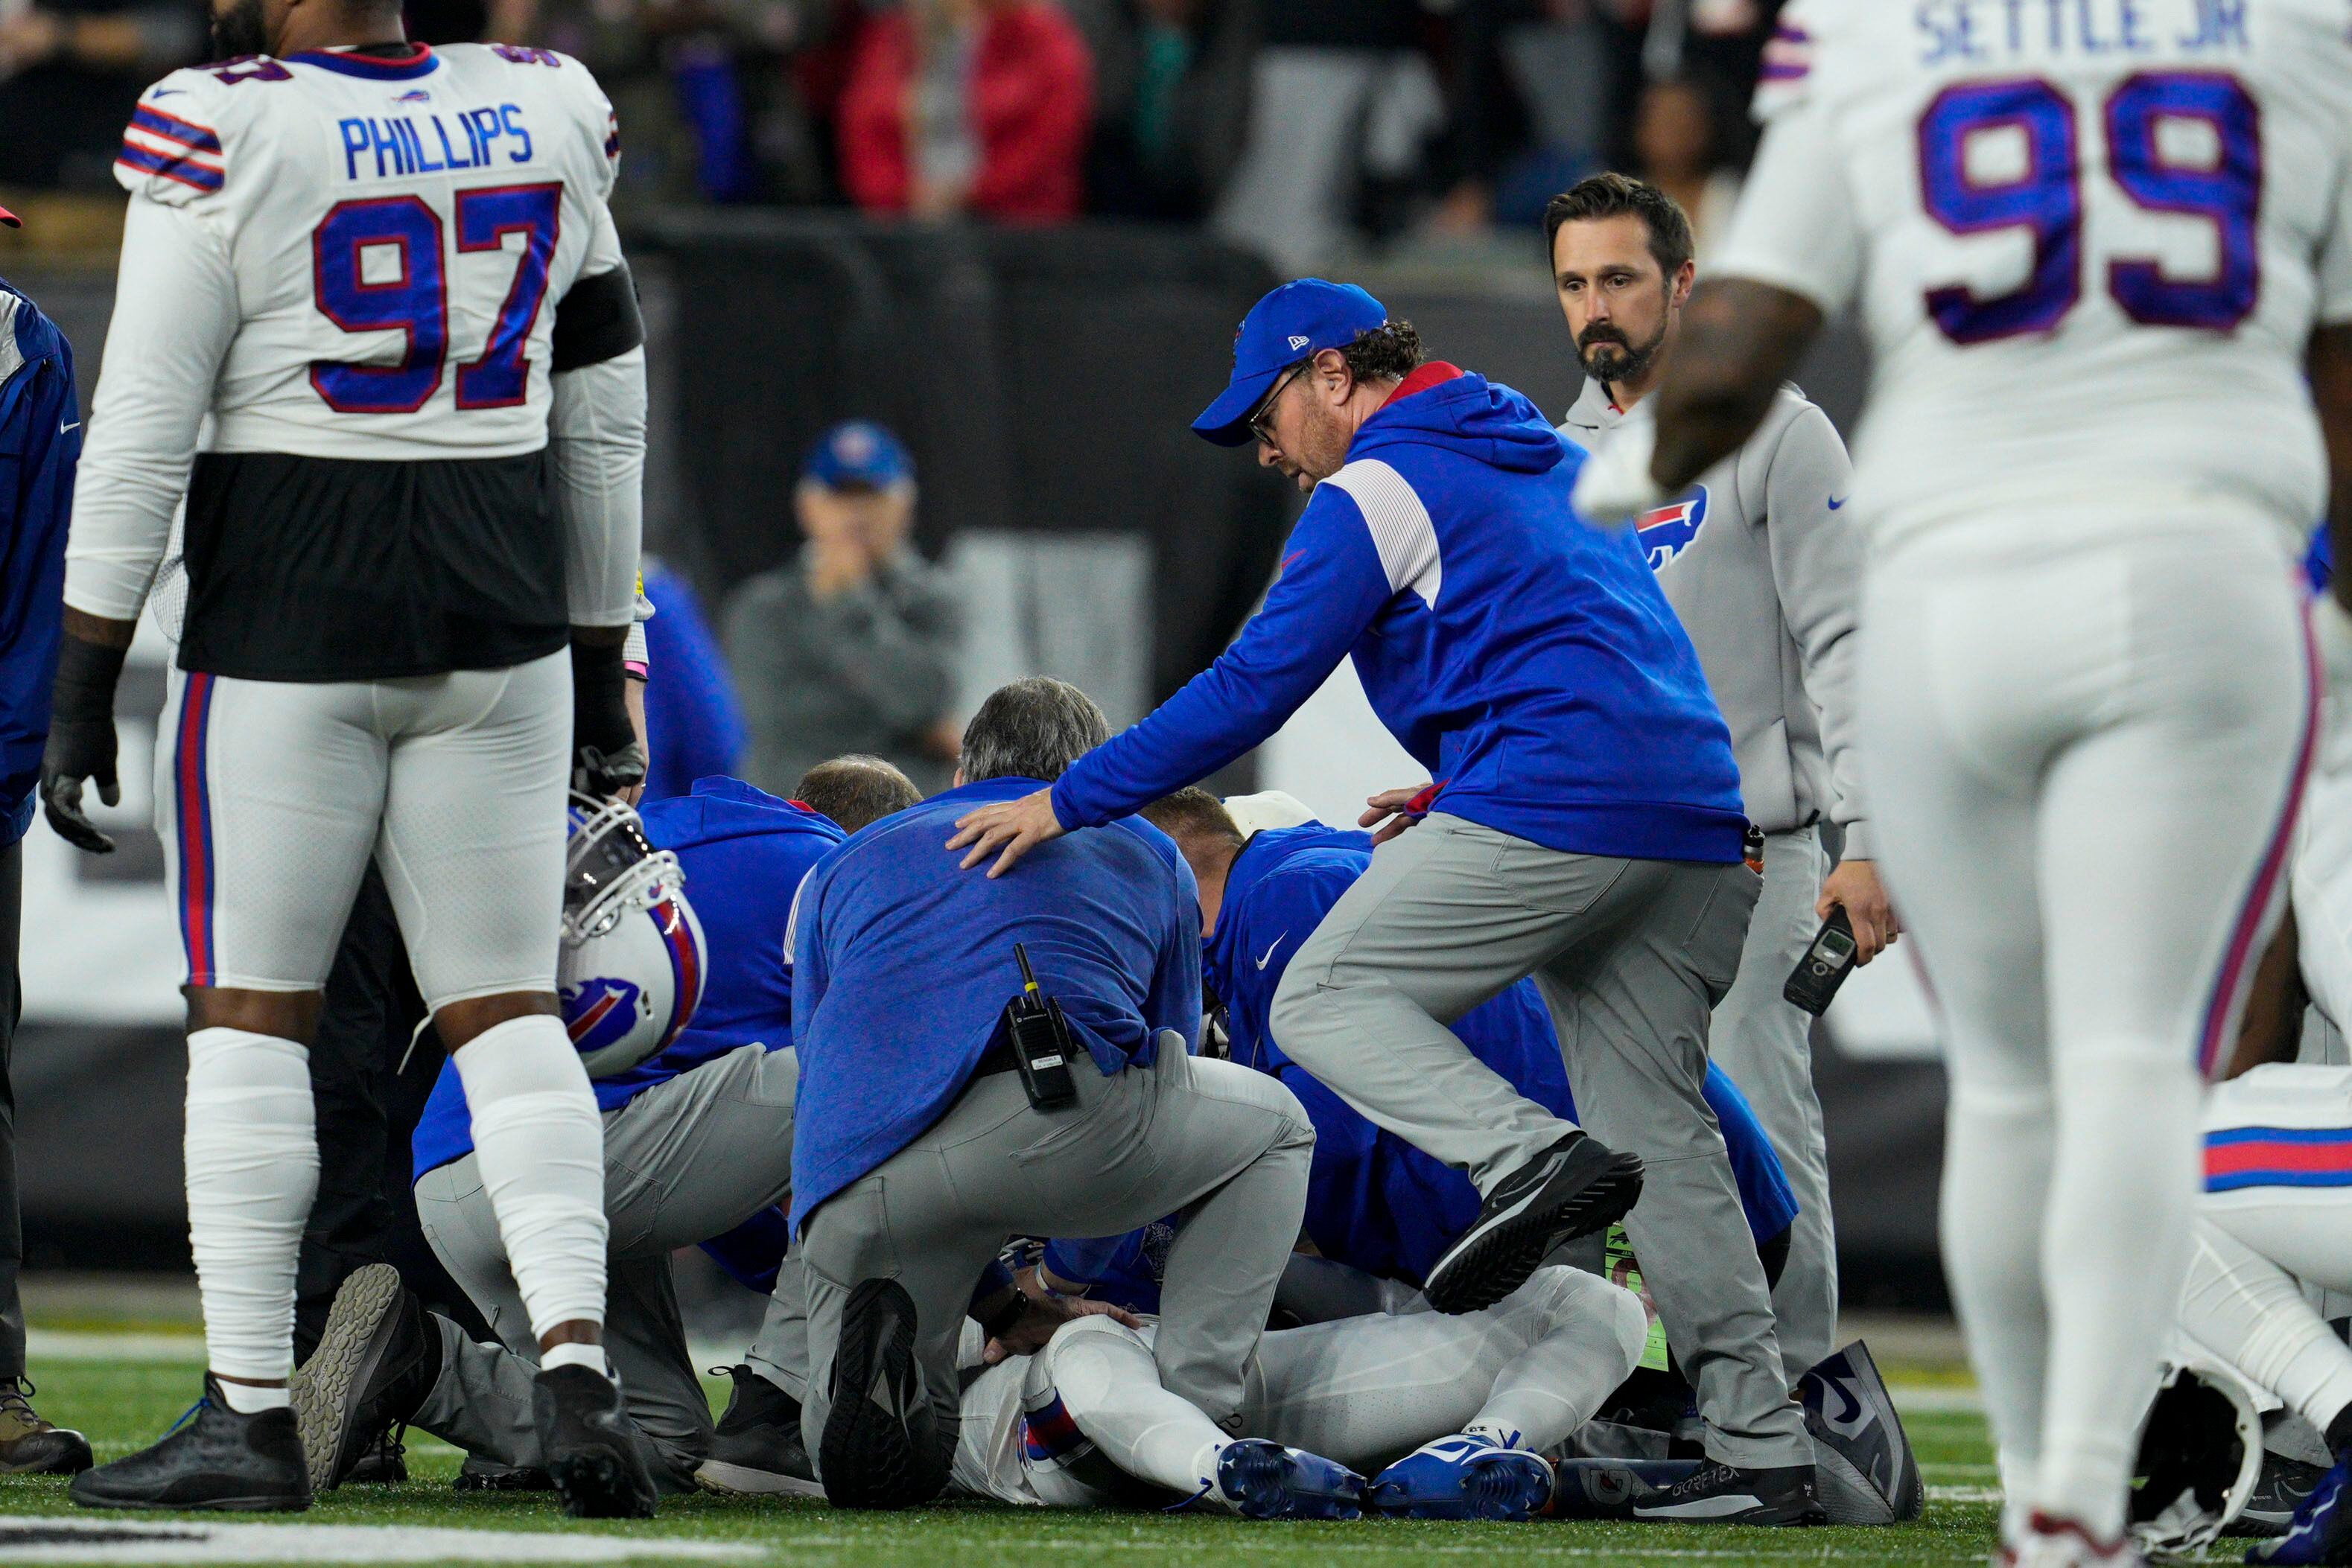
[[1307, 129]]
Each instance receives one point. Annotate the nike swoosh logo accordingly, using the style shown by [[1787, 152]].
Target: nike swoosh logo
[[1270, 952], [169, 92], [63, 429], [1838, 501]]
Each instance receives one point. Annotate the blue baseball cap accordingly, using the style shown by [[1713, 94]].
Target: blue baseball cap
[[857, 453], [1294, 322]]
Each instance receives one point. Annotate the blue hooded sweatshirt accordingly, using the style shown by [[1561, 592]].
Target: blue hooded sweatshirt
[[902, 964], [1374, 1201], [40, 445], [744, 852], [1530, 661]]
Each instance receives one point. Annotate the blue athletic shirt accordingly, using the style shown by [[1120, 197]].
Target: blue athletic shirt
[[40, 445], [744, 852], [903, 963], [1373, 1200], [1528, 661], [694, 722]]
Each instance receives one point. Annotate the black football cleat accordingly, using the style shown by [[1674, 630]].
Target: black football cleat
[[377, 1359], [879, 1447], [1717, 1493], [757, 1449], [589, 1445], [215, 1458], [1575, 1187]]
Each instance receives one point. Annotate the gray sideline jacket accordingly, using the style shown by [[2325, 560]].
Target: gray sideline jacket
[[1766, 574]]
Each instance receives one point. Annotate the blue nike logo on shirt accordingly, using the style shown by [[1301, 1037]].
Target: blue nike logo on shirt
[[1836, 501]]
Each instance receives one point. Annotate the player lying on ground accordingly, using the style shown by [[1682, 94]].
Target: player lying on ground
[[1080, 1424]]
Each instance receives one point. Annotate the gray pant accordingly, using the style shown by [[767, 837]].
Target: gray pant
[[685, 1161], [1631, 956], [1226, 1147], [1765, 1045]]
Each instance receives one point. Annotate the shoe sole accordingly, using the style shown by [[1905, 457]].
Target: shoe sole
[[218, 1505], [1505, 1486], [866, 1453], [1487, 1265], [1265, 1484], [741, 1480], [596, 1483], [360, 1326], [1797, 1515]]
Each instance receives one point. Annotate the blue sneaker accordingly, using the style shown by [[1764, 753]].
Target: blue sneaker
[[1266, 1481], [2321, 1531], [1462, 1478]]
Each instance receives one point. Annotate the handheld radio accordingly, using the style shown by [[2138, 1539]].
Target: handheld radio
[[1824, 966], [1040, 1038]]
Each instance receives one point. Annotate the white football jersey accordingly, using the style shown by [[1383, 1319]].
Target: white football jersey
[[397, 229], [2089, 240]]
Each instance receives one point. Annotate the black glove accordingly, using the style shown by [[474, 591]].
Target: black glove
[[605, 756], [81, 741]]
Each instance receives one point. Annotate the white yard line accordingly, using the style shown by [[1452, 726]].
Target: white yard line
[[77, 1345]]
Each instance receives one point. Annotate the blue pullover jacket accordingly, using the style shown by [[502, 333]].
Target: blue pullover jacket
[[694, 722], [1530, 663], [744, 852], [1373, 1200], [903, 963], [40, 444]]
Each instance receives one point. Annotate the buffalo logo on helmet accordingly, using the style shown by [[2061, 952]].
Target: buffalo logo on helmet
[[599, 1010], [1668, 530]]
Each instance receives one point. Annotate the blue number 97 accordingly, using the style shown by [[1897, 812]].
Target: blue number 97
[[2046, 197]]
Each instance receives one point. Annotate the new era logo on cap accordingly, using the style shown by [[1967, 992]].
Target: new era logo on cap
[[1295, 320], [1298, 341]]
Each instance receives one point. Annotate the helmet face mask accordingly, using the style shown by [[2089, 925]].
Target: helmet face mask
[[630, 965], [610, 868]]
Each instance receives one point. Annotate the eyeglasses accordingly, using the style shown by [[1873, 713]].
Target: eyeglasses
[[1258, 421]]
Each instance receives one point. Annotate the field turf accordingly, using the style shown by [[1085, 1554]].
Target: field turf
[[123, 1404]]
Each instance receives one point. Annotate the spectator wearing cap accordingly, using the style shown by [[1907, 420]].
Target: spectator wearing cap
[[852, 647], [1585, 826]]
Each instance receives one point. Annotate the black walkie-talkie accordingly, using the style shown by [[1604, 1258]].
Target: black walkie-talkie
[[1040, 1036], [1824, 966]]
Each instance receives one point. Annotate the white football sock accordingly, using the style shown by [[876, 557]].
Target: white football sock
[[1998, 1146], [2252, 1314], [1584, 1336], [540, 1145], [2115, 1245], [247, 1399], [571, 1353], [252, 1153], [1110, 1385]]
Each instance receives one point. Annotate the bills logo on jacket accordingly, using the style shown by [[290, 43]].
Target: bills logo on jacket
[[1668, 531]]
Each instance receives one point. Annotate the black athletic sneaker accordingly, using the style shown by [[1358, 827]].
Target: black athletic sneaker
[[1724, 1494], [377, 1359], [30, 1446], [880, 1448], [1573, 1188], [215, 1458], [382, 1463], [757, 1448], [478, 1474], [590, 1449]]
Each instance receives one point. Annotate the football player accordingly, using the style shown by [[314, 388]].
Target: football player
[[2094, 247], [337, 335]]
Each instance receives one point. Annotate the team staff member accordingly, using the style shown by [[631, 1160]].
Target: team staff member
[[1585, 823], [1764, 566], [916, 1154], [40, 441]]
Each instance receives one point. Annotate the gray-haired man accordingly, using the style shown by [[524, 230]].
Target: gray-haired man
[[1765, 573]]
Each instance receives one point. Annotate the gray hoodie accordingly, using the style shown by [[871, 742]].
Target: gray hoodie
[[1765, 570]]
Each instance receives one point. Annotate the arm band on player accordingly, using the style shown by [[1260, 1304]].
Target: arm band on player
[[87, 674], [596, 451], [600, 708], [597, 320]]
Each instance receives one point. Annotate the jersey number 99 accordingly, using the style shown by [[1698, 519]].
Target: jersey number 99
[[413, 296], [2047, 199]]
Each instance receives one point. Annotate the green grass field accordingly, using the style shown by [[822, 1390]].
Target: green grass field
[[123, 1403]]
